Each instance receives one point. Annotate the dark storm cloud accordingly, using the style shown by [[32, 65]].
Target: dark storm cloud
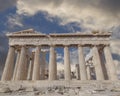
[[4, 4], [110, 5], [106, 6]]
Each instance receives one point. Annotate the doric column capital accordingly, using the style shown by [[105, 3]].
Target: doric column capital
[[66, 45], [12, 46], [95, 45], [80, 45], [52, 45], [23, 46], [107, 45], [38, 46], [17, 50]]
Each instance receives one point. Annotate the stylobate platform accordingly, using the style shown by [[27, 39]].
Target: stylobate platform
[[60, 88]]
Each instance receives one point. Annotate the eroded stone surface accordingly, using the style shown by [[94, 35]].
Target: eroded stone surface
[[88, 88]]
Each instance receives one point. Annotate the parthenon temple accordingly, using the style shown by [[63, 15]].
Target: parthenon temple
[[24, 63]]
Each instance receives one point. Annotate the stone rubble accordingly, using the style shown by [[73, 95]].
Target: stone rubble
[[72, 89], [57, 91]]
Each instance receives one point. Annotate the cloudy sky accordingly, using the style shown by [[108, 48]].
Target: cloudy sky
[[60, 16]]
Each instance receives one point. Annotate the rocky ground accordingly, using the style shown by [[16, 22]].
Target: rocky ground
[[73, 88]]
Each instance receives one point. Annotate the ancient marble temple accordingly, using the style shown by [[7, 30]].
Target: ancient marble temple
[[22, 63]]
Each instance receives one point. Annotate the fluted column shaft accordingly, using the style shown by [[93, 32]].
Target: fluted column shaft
[[26, 66], [16, 65], [97, 64], [20, 75], [55, 65], [67, 69], [83, 72], [110, 64], [36, 66], [77, 72], [105, 73], [43, 64], [52, 64], [8, 69], [88, 73], [30, 70]]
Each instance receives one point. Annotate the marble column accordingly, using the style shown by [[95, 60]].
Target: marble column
[[42, 66], [21, 75], [55, 64], [110, 64], [30, 69], [103, 64], [83, 72], [88, 72], [27, 62], [36, 66], [9, 65], [16, 64], [97, 64], [67, 68], [52, 64], [93, 74], [77, 72]]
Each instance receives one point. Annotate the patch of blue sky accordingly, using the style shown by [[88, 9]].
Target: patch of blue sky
[[40, 23], [4, 17]]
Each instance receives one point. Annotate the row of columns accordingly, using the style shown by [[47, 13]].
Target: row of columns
[[103, 70], [20, 70]]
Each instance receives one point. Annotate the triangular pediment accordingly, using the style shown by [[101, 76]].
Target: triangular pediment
[[28, 31]]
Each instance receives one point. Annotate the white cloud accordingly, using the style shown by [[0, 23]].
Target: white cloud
[[14, 20], [115, 49], [74, 57], [117, 64], [4, 4], [59, 56], [115, 46], [88, 13], [60, 66]]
